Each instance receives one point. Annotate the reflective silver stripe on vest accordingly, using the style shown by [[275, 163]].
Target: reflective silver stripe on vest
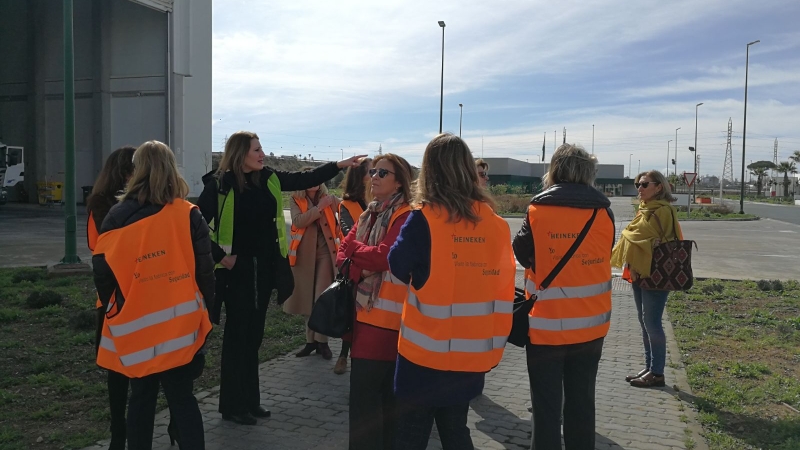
[[337, 241], [107, 344], [292, 253], [452, 345], [388, 305], [296, 237], [226, 248], [577, 323], [160, 349], [158, 317], [461, 309], [556, 293], [389, 278]]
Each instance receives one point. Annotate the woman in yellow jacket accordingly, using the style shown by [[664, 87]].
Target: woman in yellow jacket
[[656, 221]]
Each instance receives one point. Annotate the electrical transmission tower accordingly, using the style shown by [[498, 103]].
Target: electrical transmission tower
[[727, 168]]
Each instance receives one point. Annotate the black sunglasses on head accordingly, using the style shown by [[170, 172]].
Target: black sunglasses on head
[[645, 184], [381, 172]]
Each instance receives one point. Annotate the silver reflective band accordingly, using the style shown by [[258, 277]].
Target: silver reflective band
[[157, 317], [461, 309], [388, 277], [577, 323], [388, 305], [160, 349], [555, 293], [452, 345], [226, 248], [297, 237], [292, 252], [107, 344]]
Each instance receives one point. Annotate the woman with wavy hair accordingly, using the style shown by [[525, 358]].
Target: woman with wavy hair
[[455, 253]]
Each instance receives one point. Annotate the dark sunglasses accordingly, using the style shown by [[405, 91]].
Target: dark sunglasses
[[645, 184], [483, 174], [381, 172]]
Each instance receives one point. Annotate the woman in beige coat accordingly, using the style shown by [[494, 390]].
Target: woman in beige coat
[[312, 255]]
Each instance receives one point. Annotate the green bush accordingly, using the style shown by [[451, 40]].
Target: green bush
[[28, 274], [9, 315], [42, 299], [83, 320]]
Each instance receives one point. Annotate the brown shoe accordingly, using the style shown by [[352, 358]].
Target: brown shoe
[[341, 366], [629, 378], [324, 350], [648, 380]]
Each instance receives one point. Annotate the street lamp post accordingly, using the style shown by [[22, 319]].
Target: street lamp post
[[676, 150], [460, 116], [668, 142], [744, 124], [689, 202], [639, 169], [441, 96], [593, 139], [697, 175], [630, 158]]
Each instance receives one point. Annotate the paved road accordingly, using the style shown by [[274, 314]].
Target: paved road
[[784, 213]]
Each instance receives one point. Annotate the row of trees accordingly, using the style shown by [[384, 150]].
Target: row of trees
[[759, 169]]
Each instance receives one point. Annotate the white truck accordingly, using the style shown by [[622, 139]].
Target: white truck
[[12, 169]]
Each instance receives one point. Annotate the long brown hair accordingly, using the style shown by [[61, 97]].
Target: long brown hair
[[112, 178], [403, 173], [236, 148], [448, 178], [155, 176], [353, 183]]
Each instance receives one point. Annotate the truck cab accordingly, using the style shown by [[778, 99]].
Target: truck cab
[[12, 169]]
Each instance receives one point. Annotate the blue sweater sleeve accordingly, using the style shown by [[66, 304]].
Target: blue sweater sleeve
[[410, 256]]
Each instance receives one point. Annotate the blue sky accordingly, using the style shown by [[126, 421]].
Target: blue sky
[[328, 78]]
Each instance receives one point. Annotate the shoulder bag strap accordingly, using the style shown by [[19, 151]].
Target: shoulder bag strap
[[569, 253], [658, 222]]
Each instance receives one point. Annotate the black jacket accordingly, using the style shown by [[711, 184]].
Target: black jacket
[[289, 181], [571, 195], [130, 211]]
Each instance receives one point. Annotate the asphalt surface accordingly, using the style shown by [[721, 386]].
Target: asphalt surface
[[784, 213]]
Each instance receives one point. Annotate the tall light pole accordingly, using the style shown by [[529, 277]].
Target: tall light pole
[[744, 125], [593, 139], [630, 158], [668, 142], [441, 97], [697, 175], [639, 170], [460, 116], [676, 150]]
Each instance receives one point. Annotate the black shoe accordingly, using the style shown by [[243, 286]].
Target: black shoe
[[324, 350], [307, 350], [260, 412], [241, 419], [172, 431]]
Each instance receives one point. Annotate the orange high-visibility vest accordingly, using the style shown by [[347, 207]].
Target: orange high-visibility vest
[[388, 307], [297, 233], [163, 321], [353, 208], [461, 318], [576, 307]]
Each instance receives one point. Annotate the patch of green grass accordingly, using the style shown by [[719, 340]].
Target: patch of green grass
[[8, 315]]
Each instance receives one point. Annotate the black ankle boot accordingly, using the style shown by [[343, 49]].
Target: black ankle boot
[[118, 436], [307, 350], [172, 431]]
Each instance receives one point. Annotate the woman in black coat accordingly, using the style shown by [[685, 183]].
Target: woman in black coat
[[242, 204]]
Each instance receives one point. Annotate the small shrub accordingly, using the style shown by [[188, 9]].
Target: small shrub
[[42, 299], [713, 288], [27, 274], [777, 285], [509, 203], [719, 209], [8, 315], [764, 285], [83, 320]]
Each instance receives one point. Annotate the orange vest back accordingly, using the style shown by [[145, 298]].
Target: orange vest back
[[576, 307], [297, 233], [388, 307], [352, 207], [163, 321], [461, 318]]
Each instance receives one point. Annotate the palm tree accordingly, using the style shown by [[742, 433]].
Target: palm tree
[[795, 156], [786, 168], [760, 173]]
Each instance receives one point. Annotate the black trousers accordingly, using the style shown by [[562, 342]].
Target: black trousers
[[177, 384], [246, 300], [117, 387], [415, 424], [573, 368], [373, 415]]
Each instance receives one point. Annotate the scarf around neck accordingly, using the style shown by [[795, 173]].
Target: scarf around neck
[[635, 246]]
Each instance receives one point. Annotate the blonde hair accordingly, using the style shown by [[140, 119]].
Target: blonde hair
[[481, 163], [448, 178], [236, 148], [403, 173], [155, 176], [302, 193], [658, 177], [571, 164]]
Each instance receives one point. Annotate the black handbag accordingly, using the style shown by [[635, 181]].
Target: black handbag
[[523, 306], [332, 313]]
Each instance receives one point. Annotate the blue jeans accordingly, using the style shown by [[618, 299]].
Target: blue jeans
[[650, 307]]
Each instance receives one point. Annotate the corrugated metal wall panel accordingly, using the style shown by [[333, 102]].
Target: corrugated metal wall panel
[[159, 5]]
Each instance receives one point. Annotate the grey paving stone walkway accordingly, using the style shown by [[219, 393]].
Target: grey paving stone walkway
[[309, 402]]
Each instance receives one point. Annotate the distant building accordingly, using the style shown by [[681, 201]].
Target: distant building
[[610, 179], [142, 72]]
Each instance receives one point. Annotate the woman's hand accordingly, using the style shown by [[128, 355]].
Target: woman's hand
[[325, 201], [366, 273], [350, 162], [634, 275], [228, 261]]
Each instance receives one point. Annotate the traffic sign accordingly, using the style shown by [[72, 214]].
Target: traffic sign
[[689, 178]]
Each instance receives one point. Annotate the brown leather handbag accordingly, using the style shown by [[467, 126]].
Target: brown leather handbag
[[671, 268]]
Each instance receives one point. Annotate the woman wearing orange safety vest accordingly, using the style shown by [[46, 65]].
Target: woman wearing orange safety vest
[[455, 253], [570, 317], [313, 243], [357, 194], [111, 180], [154, 276], [379, 301]]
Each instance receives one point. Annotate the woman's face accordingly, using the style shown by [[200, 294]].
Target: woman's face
[[383, 188], [254, 161], [647, 188]]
